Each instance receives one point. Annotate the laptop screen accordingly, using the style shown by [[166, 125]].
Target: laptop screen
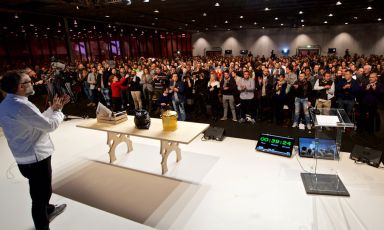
[[326, 148], [273, 144]]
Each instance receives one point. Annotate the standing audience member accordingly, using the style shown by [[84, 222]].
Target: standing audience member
[[279, 95], [325, 91], [176, 89], [347, 91], [116, 87], [147, 84], [228, 87], [91, 80], [302, 90], [134, 85], [213, 96], [247, 88], [27, 132], [371, 95]]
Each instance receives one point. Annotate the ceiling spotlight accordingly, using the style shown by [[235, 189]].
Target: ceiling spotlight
[[241, 27], [267, 9], [330, 15], [109, 26], [16, 16], [302, 20], [48, 28], [262, 27], [75, 22], [128, 2], [355, 18], [255, 23], [281, 24], [193, 20], [369, 8], [302, 25], [77, 8], [107, 16], [226, 22], [59, 31], [204, 14], [338, 3], [346, 23], [241, 16], [145, 1], [31, 25], [325, 22], [300, 12], [156, 11], [228, 29], [379, 19], [276, 18], [217, 4]]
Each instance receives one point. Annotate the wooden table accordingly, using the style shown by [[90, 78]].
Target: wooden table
[[169, 141]]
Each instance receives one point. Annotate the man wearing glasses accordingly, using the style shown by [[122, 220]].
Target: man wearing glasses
[[27, 132]]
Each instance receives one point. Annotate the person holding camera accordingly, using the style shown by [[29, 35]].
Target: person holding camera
[[27, 132]]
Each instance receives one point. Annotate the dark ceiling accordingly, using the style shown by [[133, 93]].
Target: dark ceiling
[[189, 15]]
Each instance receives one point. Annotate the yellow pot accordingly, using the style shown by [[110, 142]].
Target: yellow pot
[[169, 119]]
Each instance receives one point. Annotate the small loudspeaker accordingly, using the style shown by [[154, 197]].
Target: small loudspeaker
[[228, 51], [214, 133], [367, 155]]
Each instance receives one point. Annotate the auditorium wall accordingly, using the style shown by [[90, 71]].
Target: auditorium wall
[[362, 39]]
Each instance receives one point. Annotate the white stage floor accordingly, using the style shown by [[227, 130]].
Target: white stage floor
[[237, 187]]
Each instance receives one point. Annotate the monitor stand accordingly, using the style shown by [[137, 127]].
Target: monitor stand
[[324, 184]]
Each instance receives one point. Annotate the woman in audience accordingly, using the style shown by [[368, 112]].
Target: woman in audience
[[213, 96]]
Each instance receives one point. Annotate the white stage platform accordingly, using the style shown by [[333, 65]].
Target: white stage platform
[[237, 187]]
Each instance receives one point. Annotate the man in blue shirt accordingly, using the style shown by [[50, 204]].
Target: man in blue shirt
[[27, 132]]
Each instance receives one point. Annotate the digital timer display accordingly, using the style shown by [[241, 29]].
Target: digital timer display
[[278, 145]]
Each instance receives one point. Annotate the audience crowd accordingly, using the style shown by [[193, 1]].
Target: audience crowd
[[273, 89]]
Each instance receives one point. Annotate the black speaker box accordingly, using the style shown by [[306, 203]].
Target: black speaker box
[[214, 133], [367, 155]]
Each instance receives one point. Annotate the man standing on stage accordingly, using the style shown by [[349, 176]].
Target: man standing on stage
[[27, 132]]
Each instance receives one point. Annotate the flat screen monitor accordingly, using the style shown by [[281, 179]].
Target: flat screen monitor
[[331, 50], [277, 145], [326, 148], [243, 52]]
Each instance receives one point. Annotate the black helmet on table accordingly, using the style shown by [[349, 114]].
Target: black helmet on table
[[142, 119]]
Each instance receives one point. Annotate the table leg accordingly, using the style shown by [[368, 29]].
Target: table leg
[[113, 140], [166, 147]]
